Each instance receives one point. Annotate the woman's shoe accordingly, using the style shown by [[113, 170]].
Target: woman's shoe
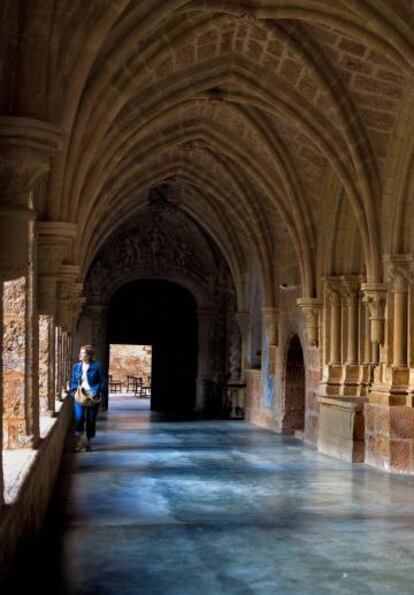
[[79, 445], [88, 445]]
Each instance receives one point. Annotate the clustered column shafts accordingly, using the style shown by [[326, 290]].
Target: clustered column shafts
[[352, 347], [336, 315]]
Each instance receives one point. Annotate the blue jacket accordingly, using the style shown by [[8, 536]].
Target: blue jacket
[[95, 376]]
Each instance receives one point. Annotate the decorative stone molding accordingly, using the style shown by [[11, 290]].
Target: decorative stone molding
[[55, 245], [312, 308], [375, 297], [398, 271]]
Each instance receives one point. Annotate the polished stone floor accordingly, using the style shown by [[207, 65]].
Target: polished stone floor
[[214, 507]]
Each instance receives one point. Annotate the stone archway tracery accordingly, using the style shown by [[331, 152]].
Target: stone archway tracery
[[164, 243]]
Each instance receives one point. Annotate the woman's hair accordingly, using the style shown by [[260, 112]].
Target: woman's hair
[[88, 349]]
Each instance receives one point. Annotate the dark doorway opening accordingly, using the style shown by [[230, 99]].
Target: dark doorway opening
[[161, 314], [294, 414]]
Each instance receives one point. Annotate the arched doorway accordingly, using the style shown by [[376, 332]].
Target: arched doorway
[[294, 410], [161, 314]]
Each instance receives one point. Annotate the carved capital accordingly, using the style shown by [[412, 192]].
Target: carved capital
[[351, 287], [398, 271], [311, 307], [375, 297], [55, 241], [26, 146], [334, 290]]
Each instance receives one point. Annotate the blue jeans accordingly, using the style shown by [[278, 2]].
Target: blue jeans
[[82, 415]]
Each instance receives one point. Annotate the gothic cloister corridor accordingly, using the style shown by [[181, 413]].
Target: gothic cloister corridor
[[224, 508], [230, 185]]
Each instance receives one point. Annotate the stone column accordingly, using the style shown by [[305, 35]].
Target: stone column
[[398, 272], [353, 369], [205, 360], [26, 146], [55, 241], [269, 344], [312, 308], [235, 352], [46, 364], [58, 362], [14, 365], [243, 320], [98, 314], [367, 347], [335, 343], [333, 293], [375, 297], [1, 399]]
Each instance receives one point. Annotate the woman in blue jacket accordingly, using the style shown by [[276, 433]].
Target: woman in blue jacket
[[89, 375]]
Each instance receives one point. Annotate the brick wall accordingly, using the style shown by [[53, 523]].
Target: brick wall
[[133, 360]]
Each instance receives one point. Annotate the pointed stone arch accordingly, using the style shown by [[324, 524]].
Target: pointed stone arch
[[295, 388]]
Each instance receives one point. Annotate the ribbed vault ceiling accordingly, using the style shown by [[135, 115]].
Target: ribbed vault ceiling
[[251, 108]]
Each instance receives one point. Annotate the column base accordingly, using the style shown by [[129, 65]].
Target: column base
[[341, 428], [334, 384], [355, 377]]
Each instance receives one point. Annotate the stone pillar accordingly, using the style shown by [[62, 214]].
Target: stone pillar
[[46, 364], [312, 309], [243, 320], [14, 365], [398, 272], [1, 398], [55, 241], [26, 146], [353, 385], [333, 293], [98, 314], [205, 360], [235, 351], [269, 344], [375, 297], [367, 347], [58, 362], [335, 343]]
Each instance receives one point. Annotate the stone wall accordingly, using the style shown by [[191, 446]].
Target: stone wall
[[28, 501], [130, 360], [389, 437]]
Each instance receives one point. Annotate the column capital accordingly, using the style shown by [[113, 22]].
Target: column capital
[[334, 290], [55, 241], [311, 307], [26, 146], [351, 287], [375, 297], [398, 271]]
